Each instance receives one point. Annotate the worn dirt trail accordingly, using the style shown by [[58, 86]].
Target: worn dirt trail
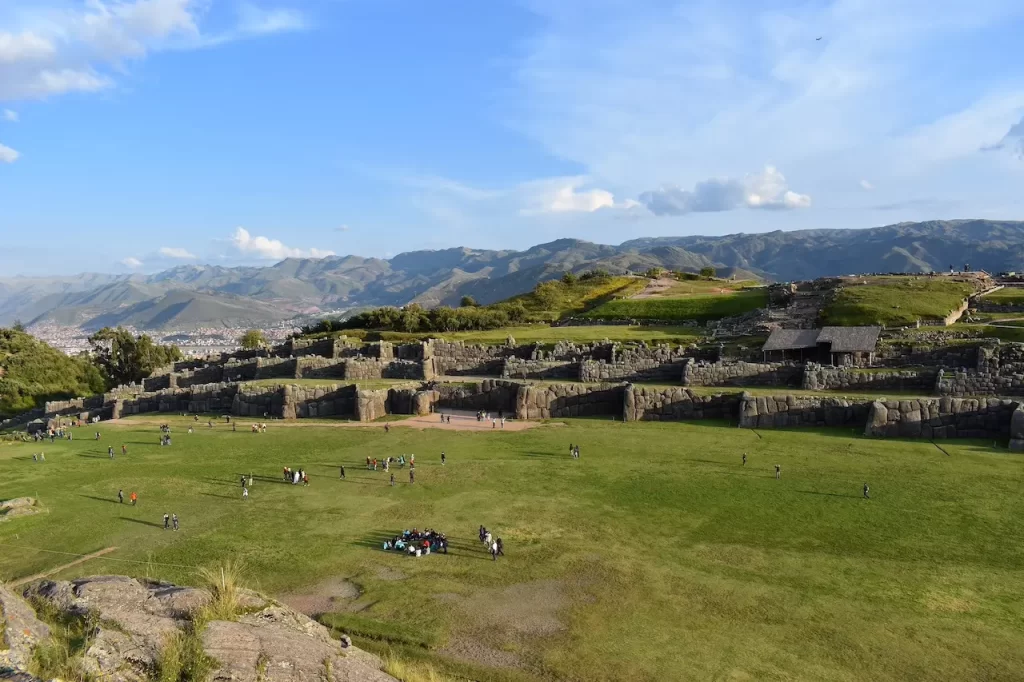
[[58, 569]]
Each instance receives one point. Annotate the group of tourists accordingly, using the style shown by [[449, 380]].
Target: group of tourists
[[483, 416], [169, 520], [165, 430], [416, 543], [385, 464], [53, 434], [574, 451], [259, 428], [494, 545], [293, 476]]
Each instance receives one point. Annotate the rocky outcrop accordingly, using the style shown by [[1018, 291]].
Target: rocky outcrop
[[131, 622], [371, 405], [22, 631]]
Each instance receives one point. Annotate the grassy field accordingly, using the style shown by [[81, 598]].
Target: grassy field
[[1005, 296], [705, 287], [698, 307], [656, 556], [554, 299], [895, 301]]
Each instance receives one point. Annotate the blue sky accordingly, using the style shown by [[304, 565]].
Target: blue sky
[[141, 134]]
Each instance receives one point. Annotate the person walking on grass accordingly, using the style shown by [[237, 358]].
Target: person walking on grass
[[110, 451], [174, 521], [501, 547], [245, 493], [494, 551], [778, 472], [120, 496], [442, 459], [243, 480], [412, 476], [167, 521], [867, 492], [744, 459], [341, 472], [134, 498], [392, 480], [124, 449]]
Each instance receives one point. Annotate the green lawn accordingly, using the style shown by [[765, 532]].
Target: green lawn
[[895, 301], [1005, 296], [656, 556], [700, 308], [697, 287], [547, 334]]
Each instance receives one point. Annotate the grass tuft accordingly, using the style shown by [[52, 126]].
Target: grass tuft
[[408, 671], [225, 584], [182, 658]]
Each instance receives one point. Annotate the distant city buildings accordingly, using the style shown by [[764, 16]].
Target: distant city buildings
[[196, 342]]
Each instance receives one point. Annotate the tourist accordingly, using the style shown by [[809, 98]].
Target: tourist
[[110, 451], [483, 531], [443, 458], [392, 480], [341, 472], [778, 472], [134, 498], [412, 460], [501, 547], [245, 493], [412, 476], [120, 496], [572, 451], [744, 459], [305, 480], [374, 463], [387, 427], [494, 551], [502, 422], [124, 449], [174, 521], [250, 479], [243, 480], [442, 418], [42, 456], [446, 542], [97, 435], [167, 521], [866, 491], [367, 462]]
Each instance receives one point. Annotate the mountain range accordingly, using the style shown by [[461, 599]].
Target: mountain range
[[192, 296]]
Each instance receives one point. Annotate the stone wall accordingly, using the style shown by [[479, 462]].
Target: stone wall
[[910, 355], [371, 405], [633, 369], [212, 374], [555, 401], [1002, 358], [941, 418], [742, 374], [258, 401], [648, 403], [966, 383], [275, 368], [325, 348], [312, 367], [821, 378], [454, 358], [156, 383], [313, 402], [491, 395], [516, 368], [782, 411], [362, 369]]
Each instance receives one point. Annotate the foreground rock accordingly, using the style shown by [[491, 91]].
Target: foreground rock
[[132, 621]]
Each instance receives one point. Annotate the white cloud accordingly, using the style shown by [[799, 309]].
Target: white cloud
[[563, 195], [131, 262], [634, 96], [53, 48], [11, 116], [342, 228], [264, 247], [765, 190], [866, 185], [8, 155], [176, 252]]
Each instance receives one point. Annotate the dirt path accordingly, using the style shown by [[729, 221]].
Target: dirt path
[[58, 569], [656, 287]]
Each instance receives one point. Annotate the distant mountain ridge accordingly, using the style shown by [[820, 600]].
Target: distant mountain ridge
[[210, 295]]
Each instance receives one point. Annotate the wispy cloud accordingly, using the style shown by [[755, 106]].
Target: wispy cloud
[[176, 252], [866, 185], [643, 97], [264, 247], [765, 190], [8, 155], [11, 116], [131, 262], [50, 48]]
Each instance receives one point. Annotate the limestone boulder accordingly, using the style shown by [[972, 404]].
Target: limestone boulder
[[22, 630]]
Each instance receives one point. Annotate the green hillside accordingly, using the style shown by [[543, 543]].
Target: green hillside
[[699, 308], [32, 372], [895, 301]]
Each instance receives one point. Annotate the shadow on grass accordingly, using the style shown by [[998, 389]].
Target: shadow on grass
[[141, 522], [82, 454], [223, 497], [814, 492], [100, 499]]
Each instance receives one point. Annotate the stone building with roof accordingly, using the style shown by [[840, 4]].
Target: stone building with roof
[[839, 346]]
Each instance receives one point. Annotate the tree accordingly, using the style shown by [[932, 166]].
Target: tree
[[468, 302], [125, 358], [569, 278], [253, 340], [654, 273], [707, 272]]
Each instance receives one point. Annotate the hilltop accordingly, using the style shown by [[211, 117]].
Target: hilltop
[[205, 295]]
